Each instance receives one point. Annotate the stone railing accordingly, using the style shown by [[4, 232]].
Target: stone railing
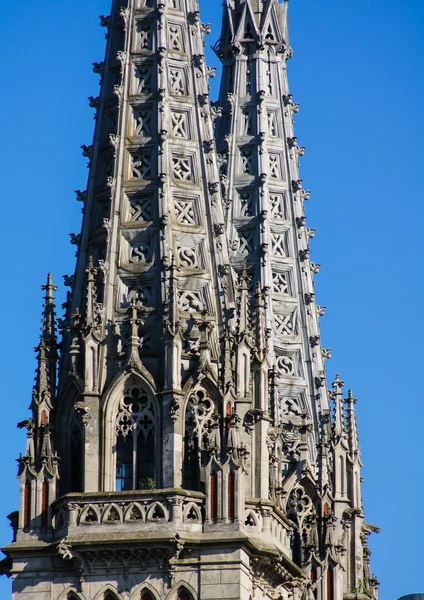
[[265, 521], [168, 511], [150, 510]]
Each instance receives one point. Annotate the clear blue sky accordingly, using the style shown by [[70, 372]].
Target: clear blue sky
[[357, 71]]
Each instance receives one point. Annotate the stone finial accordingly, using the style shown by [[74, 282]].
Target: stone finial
[[337, 386], [350, 424], [172, 321], [243, 304]]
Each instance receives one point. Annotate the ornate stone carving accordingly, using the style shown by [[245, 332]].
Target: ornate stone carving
[[175, 38], [182, 168], [202, 420], [280, 283], [144, 30], [143, 78], [179, 124], [177, 78], [142, 165], [141, 252], [141, 208], [190, 301], [142, 122], [135, 413]]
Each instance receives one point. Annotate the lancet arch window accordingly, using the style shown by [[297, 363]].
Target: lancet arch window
[[27, 504], [183, 594], [135, 440], [75, 455], [202, 435]]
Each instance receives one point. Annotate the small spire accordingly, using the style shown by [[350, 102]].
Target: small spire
[[351, 424], [134, 323], [172, 299], [205, 346], [27, 460], [259, 322], [48, 331], [323, 464], [48, 457], [45, 380], [338, 406], [243, 308], [91, 273]]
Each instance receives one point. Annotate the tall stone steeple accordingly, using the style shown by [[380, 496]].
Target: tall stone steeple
[[264, 202], [189, 449], [152, 258]]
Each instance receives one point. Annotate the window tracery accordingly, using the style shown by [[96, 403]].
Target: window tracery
[[301, 511], [135, 440], [202, 434]]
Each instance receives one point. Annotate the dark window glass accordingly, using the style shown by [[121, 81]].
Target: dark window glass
[[145, 460], [191, 479], [124, 462]]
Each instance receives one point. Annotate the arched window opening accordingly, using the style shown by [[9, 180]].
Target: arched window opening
[[299, 510], [330, 584], [72, 596], [110, 596], [314, 577], [145, 595], [44, 503], [202, 433], [124, 462], [357, 490], [245, 374], [191, 473], [214, 496], [231, 495], [342, 476], [76, 457], [135, 441], [228, 415], [183, 594], [27, 504], [296, 548]]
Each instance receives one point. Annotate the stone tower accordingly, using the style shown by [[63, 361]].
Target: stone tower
[[184, 446]]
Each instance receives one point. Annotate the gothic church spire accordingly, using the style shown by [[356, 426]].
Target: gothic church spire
[[189, 451]]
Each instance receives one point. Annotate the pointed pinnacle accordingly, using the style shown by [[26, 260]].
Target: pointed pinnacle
[[49, 288], [350, 402], [338, 406], [350, 399], [337, 383], [259, 316], [244, 277], [48, 320], [172, 296], [90, 269]]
